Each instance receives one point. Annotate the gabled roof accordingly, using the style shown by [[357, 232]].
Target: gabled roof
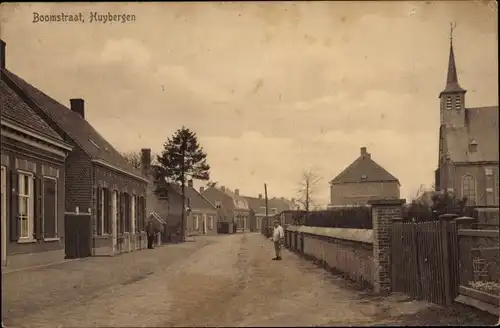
[[258, 204], [240, 202], [364, 169], [196, 200], [76, 127], [16, 110], [481, 127]]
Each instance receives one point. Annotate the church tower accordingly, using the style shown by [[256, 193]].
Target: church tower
[[452, 98]]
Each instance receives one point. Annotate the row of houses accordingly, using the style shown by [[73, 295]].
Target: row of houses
[[55, 165]]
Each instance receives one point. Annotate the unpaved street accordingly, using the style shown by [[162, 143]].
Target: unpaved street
[[215, 281]]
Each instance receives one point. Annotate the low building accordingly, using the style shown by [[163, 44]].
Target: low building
[[274, 206], [98, 180], [362, 181], [33, 182], [233, 209]]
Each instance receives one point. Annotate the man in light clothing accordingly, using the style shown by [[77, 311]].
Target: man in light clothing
[[278, 236]]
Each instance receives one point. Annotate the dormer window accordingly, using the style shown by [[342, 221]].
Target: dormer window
[[473, 146], [458, 103], [217, 204], [364, 177], [448, 103]]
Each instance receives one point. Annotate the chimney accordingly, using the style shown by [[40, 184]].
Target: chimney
[[2, 54], [222, 188], [202, 189], [190, 183], [237, 192], [260, 196], [365, 153], [145, 160], [78, 106]]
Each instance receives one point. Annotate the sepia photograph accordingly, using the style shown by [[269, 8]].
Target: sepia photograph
[[250, 164]]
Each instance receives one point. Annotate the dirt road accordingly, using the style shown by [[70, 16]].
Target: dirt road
[[215, 281]]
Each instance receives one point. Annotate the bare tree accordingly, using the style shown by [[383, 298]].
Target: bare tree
[[307, 189], [134, 158]]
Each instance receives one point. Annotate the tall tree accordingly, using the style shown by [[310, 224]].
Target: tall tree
[[307, 189], [183, 159], [134, 158]]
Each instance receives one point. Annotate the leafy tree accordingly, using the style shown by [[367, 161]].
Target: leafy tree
[[182, 159]]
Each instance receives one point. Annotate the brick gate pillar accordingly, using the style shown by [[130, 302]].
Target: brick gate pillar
[[384, 211]]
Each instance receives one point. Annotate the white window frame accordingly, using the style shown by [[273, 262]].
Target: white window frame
[[133, 216], [196, 224], [274, 210], [56, 218], [210, 222], [31, 204]]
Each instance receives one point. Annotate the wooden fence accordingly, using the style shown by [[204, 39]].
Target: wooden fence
[[424, 260], [437, 261]]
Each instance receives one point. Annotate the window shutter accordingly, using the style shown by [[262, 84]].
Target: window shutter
[[14, 210], [122, 221], [38, 215], [49, 209], [109, 211], [99, 211]]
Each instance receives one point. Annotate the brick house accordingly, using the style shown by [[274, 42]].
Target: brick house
[[274, 207], [201, 216], [232, 208], [361, 181], [98, 179], [468, 145], [32, 180]]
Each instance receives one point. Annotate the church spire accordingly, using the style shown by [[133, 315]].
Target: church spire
[[452, 78]]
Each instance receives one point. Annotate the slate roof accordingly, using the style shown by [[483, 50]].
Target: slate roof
[[258, 204], [364, 169], [79, 129], [481, 126], [16, 110]]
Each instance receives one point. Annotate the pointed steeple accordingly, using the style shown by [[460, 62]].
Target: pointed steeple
[[452, 84]]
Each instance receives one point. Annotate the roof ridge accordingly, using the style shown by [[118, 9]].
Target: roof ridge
[[37, 104]]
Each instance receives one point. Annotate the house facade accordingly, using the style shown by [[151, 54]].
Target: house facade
[[98, 180], [232, 208], [468, 145], [202, 218], [274, 206], [32, 182], [362, 181]]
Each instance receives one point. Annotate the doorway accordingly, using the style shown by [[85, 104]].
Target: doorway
[[114, 216], [4, 215]]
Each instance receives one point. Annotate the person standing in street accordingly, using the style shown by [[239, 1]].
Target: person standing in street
[[278, 236], [150, 231]]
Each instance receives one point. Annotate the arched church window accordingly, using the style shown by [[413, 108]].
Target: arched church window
[[469, 189]]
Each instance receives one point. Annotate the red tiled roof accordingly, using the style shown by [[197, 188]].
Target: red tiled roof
[[79, 129]]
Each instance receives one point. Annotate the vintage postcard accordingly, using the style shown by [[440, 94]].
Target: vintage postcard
[[249, 164]]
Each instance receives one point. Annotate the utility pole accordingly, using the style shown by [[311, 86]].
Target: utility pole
[[265, 195]]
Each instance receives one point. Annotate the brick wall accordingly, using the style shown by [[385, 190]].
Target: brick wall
[[384, 212], [78, 181], [354, 193]]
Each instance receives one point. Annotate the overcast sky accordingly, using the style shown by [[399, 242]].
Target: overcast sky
[[270, 88]]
